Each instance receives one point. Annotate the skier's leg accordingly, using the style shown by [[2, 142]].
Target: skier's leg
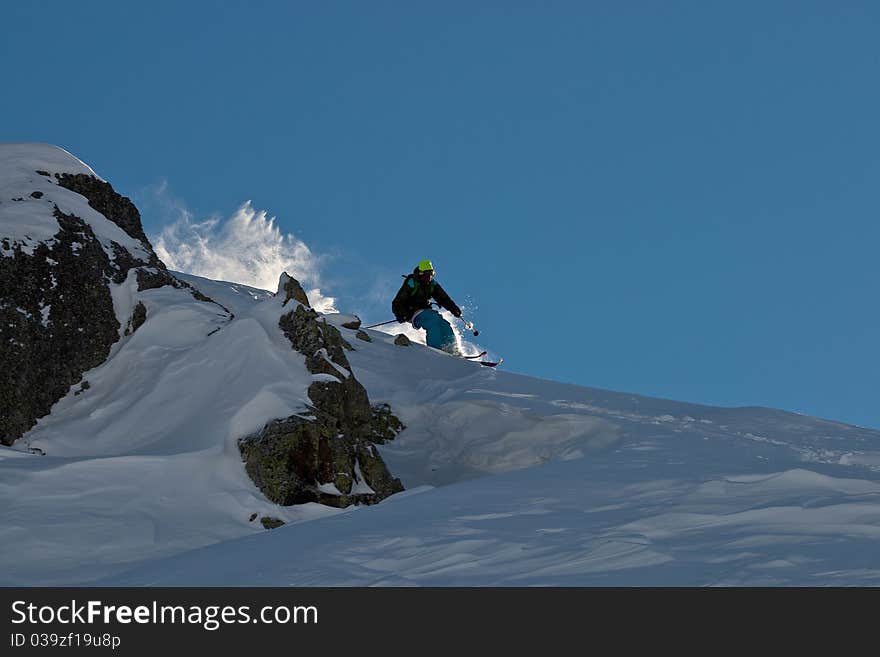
[[439, 333]]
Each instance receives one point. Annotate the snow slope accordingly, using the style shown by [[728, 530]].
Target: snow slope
[[588, 487], [511, 480], [136, 479], [145, 460]]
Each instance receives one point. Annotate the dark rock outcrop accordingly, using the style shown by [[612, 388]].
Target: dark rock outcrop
[[103, 198], [56, 321], [299, 459], [402, 341], [138, 317], [328, 454], [293, 291], [57, 318], [151, 278], [270, 522], [321, 343]]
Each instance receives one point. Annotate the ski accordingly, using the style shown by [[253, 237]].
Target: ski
[[486, 363]]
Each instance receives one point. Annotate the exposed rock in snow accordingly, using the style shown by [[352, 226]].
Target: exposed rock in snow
[[66, 254], [351, 322], [291, 289], [298, 460], [138, 317], [41, 360], [104, 199]]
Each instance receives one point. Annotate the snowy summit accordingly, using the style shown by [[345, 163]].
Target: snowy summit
[[163, 429]]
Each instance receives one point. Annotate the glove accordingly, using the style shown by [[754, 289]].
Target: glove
[[457, 312], [400, 319]]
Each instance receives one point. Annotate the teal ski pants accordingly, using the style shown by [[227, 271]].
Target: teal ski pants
[[440, 335]]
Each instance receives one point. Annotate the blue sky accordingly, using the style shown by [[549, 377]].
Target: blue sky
[[673, 199]]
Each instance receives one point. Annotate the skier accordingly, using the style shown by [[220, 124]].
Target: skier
[[413, 304]]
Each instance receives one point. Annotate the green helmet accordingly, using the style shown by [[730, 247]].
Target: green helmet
[[425, 265]]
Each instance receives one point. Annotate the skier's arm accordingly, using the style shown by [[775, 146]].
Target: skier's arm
[[398, 306], [443, 299]]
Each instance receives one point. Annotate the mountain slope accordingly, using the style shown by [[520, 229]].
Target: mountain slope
[[136, 476], [538, 482], [651, 492], [134, 391]]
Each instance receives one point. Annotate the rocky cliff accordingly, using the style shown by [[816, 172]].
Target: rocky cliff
[[326, 454], [75, 268]]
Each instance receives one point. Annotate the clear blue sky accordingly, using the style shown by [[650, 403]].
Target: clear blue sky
[[677, 199]]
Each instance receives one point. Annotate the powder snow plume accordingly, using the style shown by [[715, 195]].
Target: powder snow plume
[[246, 248]]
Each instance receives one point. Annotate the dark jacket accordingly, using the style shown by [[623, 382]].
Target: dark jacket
[[415, 295]]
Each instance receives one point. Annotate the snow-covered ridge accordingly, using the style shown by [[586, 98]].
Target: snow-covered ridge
[[35, 156], [28, 198]]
